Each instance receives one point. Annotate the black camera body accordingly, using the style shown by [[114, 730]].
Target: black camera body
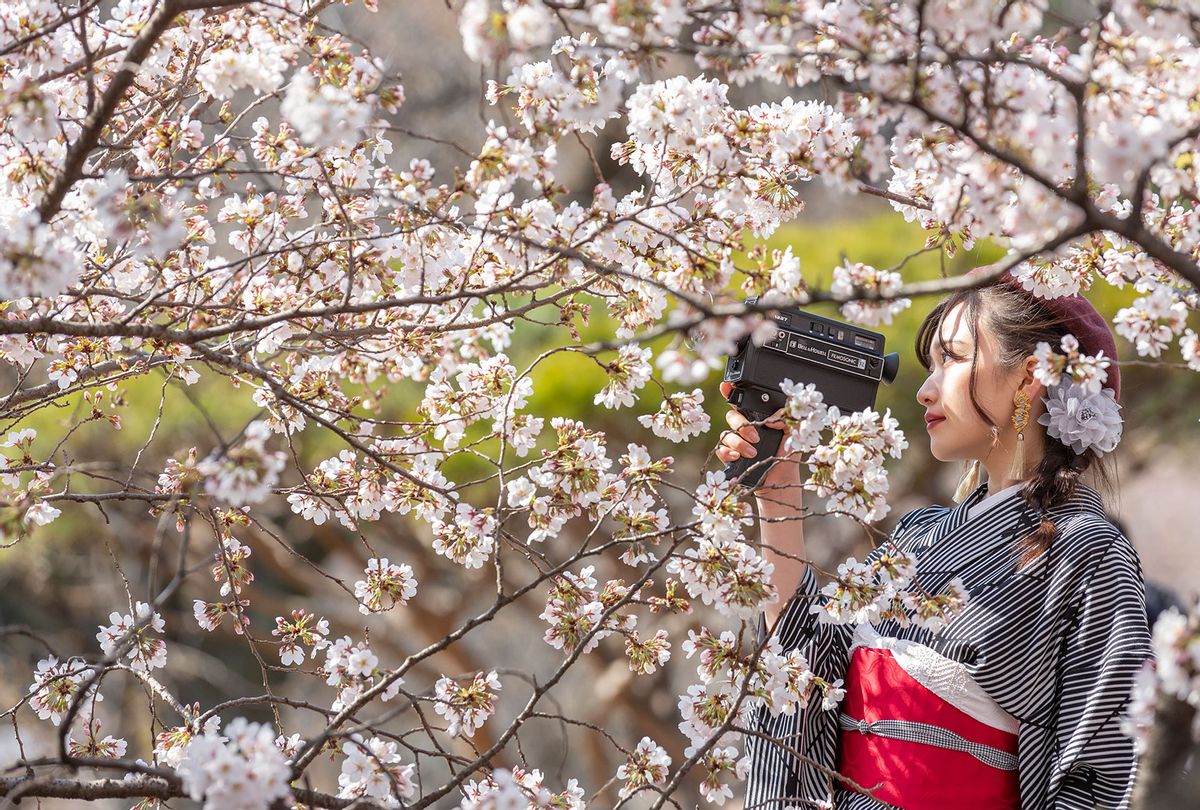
[[845, 362]]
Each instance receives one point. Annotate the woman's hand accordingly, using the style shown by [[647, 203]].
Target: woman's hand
[[739, 440]]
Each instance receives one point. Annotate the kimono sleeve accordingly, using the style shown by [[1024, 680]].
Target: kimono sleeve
[[1107, 643], [778, 777]]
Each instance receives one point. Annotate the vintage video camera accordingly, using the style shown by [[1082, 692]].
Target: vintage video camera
[[845, 362]]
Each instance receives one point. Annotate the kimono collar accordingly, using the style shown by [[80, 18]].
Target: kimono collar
[[1085, 498], [1003, 513]]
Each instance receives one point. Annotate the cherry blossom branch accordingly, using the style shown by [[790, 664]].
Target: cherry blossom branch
[[89, 136], [164, 786]]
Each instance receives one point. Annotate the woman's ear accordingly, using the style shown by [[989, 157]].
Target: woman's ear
[[1032, 385]]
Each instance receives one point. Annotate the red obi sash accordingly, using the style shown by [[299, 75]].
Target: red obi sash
[[922, 751]]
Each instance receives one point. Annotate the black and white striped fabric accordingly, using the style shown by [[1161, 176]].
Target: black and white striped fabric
[[1056, 644]]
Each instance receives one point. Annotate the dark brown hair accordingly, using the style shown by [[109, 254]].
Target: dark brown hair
[[1016, 322]]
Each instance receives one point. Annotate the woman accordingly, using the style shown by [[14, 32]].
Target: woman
[[1017, 702]]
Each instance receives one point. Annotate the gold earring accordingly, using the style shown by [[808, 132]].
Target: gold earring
[[1020, 419], [968, 482]]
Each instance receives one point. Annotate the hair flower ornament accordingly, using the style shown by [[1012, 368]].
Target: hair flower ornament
[[1081, 419]]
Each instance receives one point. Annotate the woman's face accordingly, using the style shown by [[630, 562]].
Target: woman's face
[[961, 434]]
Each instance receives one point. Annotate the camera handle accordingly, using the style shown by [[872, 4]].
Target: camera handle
[[751, 470]]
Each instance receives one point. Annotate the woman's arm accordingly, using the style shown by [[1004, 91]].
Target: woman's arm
[[780, 498], [780, 509]]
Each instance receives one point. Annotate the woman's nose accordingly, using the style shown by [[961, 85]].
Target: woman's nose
[[926, 395]]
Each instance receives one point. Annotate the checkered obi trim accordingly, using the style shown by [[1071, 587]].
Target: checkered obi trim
[[912, 731]]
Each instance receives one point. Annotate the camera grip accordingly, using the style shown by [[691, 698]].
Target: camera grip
[[751, 470]]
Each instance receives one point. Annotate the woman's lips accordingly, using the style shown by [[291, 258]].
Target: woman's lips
[[932, 423]]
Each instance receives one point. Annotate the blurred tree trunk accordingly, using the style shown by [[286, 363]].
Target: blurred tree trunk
[[1168, 777]]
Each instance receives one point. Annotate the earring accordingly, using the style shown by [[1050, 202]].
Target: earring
[[1020, 419], [968, 482]]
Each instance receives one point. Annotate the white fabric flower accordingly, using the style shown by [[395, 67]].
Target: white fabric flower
[[1082, 420]]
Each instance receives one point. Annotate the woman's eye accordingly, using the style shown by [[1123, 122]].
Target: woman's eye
[[945, 355]]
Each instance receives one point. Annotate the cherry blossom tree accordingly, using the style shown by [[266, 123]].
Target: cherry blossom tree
[[201, 193]]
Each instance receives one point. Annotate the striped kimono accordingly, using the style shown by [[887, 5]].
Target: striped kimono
[[1056, 645]]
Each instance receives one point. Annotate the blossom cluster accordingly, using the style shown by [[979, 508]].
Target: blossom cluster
[[210, 615], [628, 372], [736, 678], [726, 573], [372, 769], [685, 135], [59, 685], [647, 766], [231, 569], [352, 667], [887, 587], [848, 467], [325, 114], [647, 655], [56, 685], [34, 509], [1070, 364], [385, 582], [466, 707], [856, 279], [575, 611], [721, 569], [302, 629], [92, 744], [1065, 272], [146, 653], [1174, 671], [575, 476], [577, 92], [641, 520], [1153, 321], [240, 770], [722, 766], [489, 388], [679, 418], [244, 474], [469, 539], [353, 489], [503, 789], [805, 416]]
